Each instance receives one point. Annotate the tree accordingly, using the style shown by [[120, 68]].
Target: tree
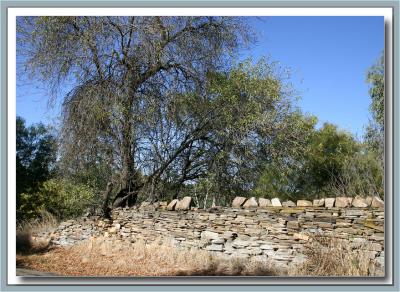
[[122, 69], [281, 174], [35, 157], [329, 150], [375, 77], [220, 135], [375, 132]]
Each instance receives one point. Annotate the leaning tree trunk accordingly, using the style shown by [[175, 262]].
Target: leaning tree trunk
[[106, 210]]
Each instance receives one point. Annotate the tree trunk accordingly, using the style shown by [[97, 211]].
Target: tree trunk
[[106, 197]]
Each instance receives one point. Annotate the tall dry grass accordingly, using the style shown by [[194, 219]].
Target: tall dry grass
[[105, 257], [330, 256], [27, 231]]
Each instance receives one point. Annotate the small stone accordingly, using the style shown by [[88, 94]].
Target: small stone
[[301, 236], [343, 202], [184, 204], [255, 251], [267, 247], [292, 225], [352, 212], [112, 230], [144, 204], [238, 243], [250, 203], [276, 202], [304, 203], [299, 259], [318, 202], [117, 226], [358, 242], [228, 235], [329, 202], [214, 247], [209, 235], [359, 202], [238, 202], [377, 202], [218, 241], [264, 202], [375, 247], [172, 204], [288, 204]]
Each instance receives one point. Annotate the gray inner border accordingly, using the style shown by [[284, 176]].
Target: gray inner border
[[390, 184]]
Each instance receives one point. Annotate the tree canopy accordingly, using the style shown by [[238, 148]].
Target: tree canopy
[[162, 106]]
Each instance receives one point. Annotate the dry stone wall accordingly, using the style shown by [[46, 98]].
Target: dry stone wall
[[274, 233]]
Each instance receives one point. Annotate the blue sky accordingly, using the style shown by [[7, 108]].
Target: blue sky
[[329, 57]]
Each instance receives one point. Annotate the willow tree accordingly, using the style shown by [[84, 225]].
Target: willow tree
[[119, 68]]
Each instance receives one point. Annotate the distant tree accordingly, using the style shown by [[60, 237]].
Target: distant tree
[[317, 160], [281, 174], [35, 157], [375, 77], [329, 150], [375, 130]]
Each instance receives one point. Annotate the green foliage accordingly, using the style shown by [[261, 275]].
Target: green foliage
[[308, 171], [329, 149], [62, 198], [361, 175], [375, 77], [35, 163], [36, 155], [375, 134], [281, 174]]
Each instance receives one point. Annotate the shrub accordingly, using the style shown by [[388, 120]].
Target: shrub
[[361, 175], [61, 198]]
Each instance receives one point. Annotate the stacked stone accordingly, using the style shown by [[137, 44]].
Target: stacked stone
[[262, 228]]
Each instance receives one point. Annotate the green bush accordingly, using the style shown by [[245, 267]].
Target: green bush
[[362, 175], [60, 197]]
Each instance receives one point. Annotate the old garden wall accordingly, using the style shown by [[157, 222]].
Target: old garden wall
[[276, 233]]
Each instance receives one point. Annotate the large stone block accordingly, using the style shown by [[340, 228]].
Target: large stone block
[[184, 204], [318, 202], [368, 200], [171, 206], [304, 203], [264, 202], [329, 202], [377, 202], [276, 202], [250, 203], [288, 204], [343, 202], [359, 202], [238, 202]]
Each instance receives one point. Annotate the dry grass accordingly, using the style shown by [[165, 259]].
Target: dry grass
[[26, 240], [330, 256], [45, 222], [105, 257]]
